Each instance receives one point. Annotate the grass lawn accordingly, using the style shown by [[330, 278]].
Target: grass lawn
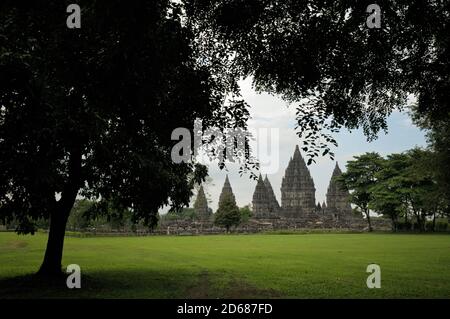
[[234, 266]]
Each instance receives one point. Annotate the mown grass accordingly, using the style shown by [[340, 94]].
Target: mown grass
[[233, 266]]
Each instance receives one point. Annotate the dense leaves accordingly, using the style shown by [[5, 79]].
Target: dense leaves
[[228, 213], [321, 56], [401, 185], [360, 177]]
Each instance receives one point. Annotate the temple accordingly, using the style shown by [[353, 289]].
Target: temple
[[298, 201], [297, 188], [338, 203], [298, 208], [226, 191], [201, 205]]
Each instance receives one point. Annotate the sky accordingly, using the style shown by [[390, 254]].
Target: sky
[[268, 111]]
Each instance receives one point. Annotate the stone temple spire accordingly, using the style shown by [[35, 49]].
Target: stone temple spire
[[337, 195], [272, 199], [201, 204], [260, 200], [297, 188], [226, 190]]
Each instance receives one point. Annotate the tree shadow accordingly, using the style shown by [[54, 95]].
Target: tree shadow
[[133, 283]]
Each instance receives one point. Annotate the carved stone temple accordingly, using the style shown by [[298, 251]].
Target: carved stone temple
[[201, 205], [298, 202], [298, 209], [226, 191]]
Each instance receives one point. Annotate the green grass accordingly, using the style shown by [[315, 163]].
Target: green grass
[[234, 266]]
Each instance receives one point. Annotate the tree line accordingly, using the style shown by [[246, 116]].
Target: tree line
[[401, 187], [412, 188]]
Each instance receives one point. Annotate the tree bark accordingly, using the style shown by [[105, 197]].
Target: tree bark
[[368, 220], [51, 266], [434, 221], [394, 224]]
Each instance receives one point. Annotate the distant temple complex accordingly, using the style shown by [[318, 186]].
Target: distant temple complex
[[298, 198], [298, 207]]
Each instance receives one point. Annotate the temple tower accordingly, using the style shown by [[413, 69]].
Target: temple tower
[[260, 200], [274, 207], [201, 205], [297, 188], [338, 196], [226, 190]]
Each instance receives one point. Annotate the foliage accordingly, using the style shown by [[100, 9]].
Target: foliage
[[360, 177], [228, 213], [402, 185], [438, 138], [389, 194], [322, 57], [185, 213], [246, 213], [80, 216]]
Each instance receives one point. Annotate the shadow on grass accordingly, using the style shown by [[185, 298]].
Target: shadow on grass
[[133, 284]]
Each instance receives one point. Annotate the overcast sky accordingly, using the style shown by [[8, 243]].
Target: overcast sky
[[269, 111]]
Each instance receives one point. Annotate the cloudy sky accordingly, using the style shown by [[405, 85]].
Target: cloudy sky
[[269, 111]]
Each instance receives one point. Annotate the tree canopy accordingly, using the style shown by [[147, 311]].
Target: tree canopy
[[322, 56], [400, 185], [228, 213]]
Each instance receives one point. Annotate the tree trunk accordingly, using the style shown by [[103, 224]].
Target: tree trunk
[[369, 221], [421, 222], [394, 224], [51, 266], [434, 221]]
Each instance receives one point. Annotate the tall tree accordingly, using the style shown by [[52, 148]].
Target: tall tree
[[228, 213], [360, 177], [390, 193], [438, 138], [424, 193], [90, 111]]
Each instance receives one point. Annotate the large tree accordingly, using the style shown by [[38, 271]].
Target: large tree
[[90, 111], [424, 193]]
